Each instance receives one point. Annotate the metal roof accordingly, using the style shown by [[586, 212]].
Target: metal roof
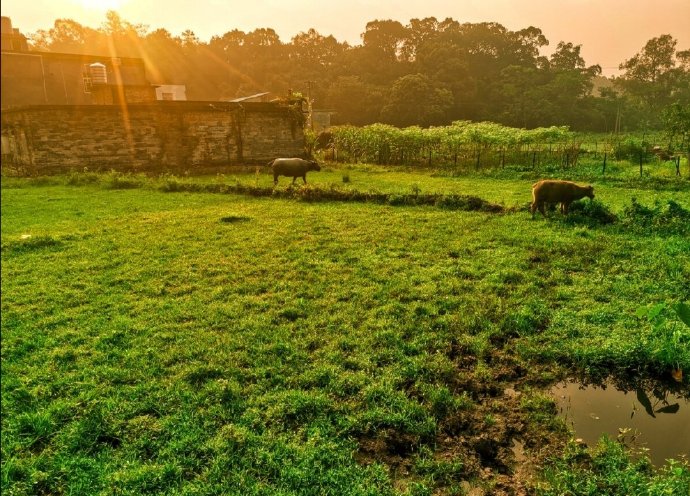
[[242, 99]]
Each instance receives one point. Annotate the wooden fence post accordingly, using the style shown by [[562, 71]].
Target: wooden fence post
[[640, 164]]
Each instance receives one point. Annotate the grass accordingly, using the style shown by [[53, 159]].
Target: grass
[[187, 342], [607, 470]]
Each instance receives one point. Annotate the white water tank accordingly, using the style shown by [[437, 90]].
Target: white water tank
[[99, 75]]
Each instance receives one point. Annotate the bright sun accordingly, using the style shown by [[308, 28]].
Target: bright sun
[[102, 4]]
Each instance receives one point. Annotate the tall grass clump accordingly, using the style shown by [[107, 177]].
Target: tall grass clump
[[609, 470], [591, 213], [664, 218], [120, 180], [84, 178]]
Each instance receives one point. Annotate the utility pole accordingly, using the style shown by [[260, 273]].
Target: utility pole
[[309, 104]]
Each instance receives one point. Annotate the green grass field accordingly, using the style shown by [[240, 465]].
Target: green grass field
[[197, 343]]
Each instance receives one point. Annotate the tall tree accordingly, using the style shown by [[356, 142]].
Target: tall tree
[[415, 100], [379, 59], [354, 101], [651, 77], [314, 55], [66, 35]]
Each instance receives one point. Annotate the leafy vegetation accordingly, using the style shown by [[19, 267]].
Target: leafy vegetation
[[608, 470], [166, 338], [671, 217], [459, 144]]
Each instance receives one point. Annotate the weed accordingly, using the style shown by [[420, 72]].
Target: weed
[[119, 180], [669, 340], [669, 218], [608, 470], [83, 178]]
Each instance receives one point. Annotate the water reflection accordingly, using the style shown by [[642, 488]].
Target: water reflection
[[648, 415]]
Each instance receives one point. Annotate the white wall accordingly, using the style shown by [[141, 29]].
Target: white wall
[[174, 92]]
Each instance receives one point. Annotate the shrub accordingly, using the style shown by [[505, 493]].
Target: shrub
[[590, 213], [669, 218], [629, 149]]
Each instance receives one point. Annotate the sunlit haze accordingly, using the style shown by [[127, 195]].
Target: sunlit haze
[[610, 31], [101, 5]]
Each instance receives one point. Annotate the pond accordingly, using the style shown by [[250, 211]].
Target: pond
[[646, 415]]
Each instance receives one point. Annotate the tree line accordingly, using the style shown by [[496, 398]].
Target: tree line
[[425, 73]]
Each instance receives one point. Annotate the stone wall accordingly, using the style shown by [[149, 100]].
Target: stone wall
[[147, 137]]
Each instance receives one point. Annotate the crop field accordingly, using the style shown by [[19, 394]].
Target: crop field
[[161, 337]]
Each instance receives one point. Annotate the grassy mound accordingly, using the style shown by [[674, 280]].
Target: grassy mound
[[311, 193]]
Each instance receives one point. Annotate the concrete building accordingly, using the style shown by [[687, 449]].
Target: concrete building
[[48, 78], [12, 39], [65, 112]]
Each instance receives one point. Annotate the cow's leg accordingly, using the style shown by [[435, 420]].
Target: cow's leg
[[304, 178], [294, 179], [565, 206], [533, 208], [275, 179], [541, 208]]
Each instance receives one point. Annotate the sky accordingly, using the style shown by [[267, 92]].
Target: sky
[[610, 31]]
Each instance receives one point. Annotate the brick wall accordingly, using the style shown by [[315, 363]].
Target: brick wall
[[147, 137]]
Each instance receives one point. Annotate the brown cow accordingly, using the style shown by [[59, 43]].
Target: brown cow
[[556, 191]]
